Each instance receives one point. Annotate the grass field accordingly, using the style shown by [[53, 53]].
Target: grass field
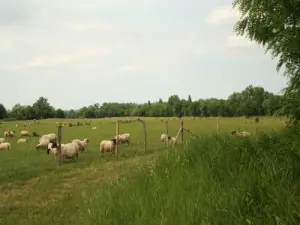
[[111, 190]]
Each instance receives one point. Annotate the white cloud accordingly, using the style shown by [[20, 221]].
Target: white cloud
[[131, 68], [222, 15], [5, 45], [226, 14], [58, 59], [239, 41], [93, 24]]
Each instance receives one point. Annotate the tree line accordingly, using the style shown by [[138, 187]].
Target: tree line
[[253, 101]]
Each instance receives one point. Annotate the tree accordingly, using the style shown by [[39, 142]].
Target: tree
[[72, 114], [176, 105], [252, 99], [59, 113], [29, 112], [173, 99], [275, 25], [189, 99], [18, 112], [213, 107], [271, 104], [193, 109], [234, 102], [43, 109], [3, 112]]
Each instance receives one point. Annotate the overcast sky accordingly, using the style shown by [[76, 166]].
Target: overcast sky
[[77, 53]]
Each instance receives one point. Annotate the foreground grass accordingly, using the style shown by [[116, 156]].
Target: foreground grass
[[37, 200], [217, 179], [214, 180]]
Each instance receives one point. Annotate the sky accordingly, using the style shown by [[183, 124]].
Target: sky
[[77, 53]]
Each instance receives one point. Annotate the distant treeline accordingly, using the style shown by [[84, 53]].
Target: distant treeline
[[253, 101]]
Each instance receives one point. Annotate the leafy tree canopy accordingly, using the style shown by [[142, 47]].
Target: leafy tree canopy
[[275, 24]]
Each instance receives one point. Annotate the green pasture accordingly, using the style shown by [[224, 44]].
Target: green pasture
[[34, 188]]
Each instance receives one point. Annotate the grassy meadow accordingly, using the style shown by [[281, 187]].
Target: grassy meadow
[[214, 179]]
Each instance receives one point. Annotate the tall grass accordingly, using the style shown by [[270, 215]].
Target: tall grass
[[214, 180]]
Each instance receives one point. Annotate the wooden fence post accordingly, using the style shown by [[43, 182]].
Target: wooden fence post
[[59, 134], [182, 133], [117, 132]]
